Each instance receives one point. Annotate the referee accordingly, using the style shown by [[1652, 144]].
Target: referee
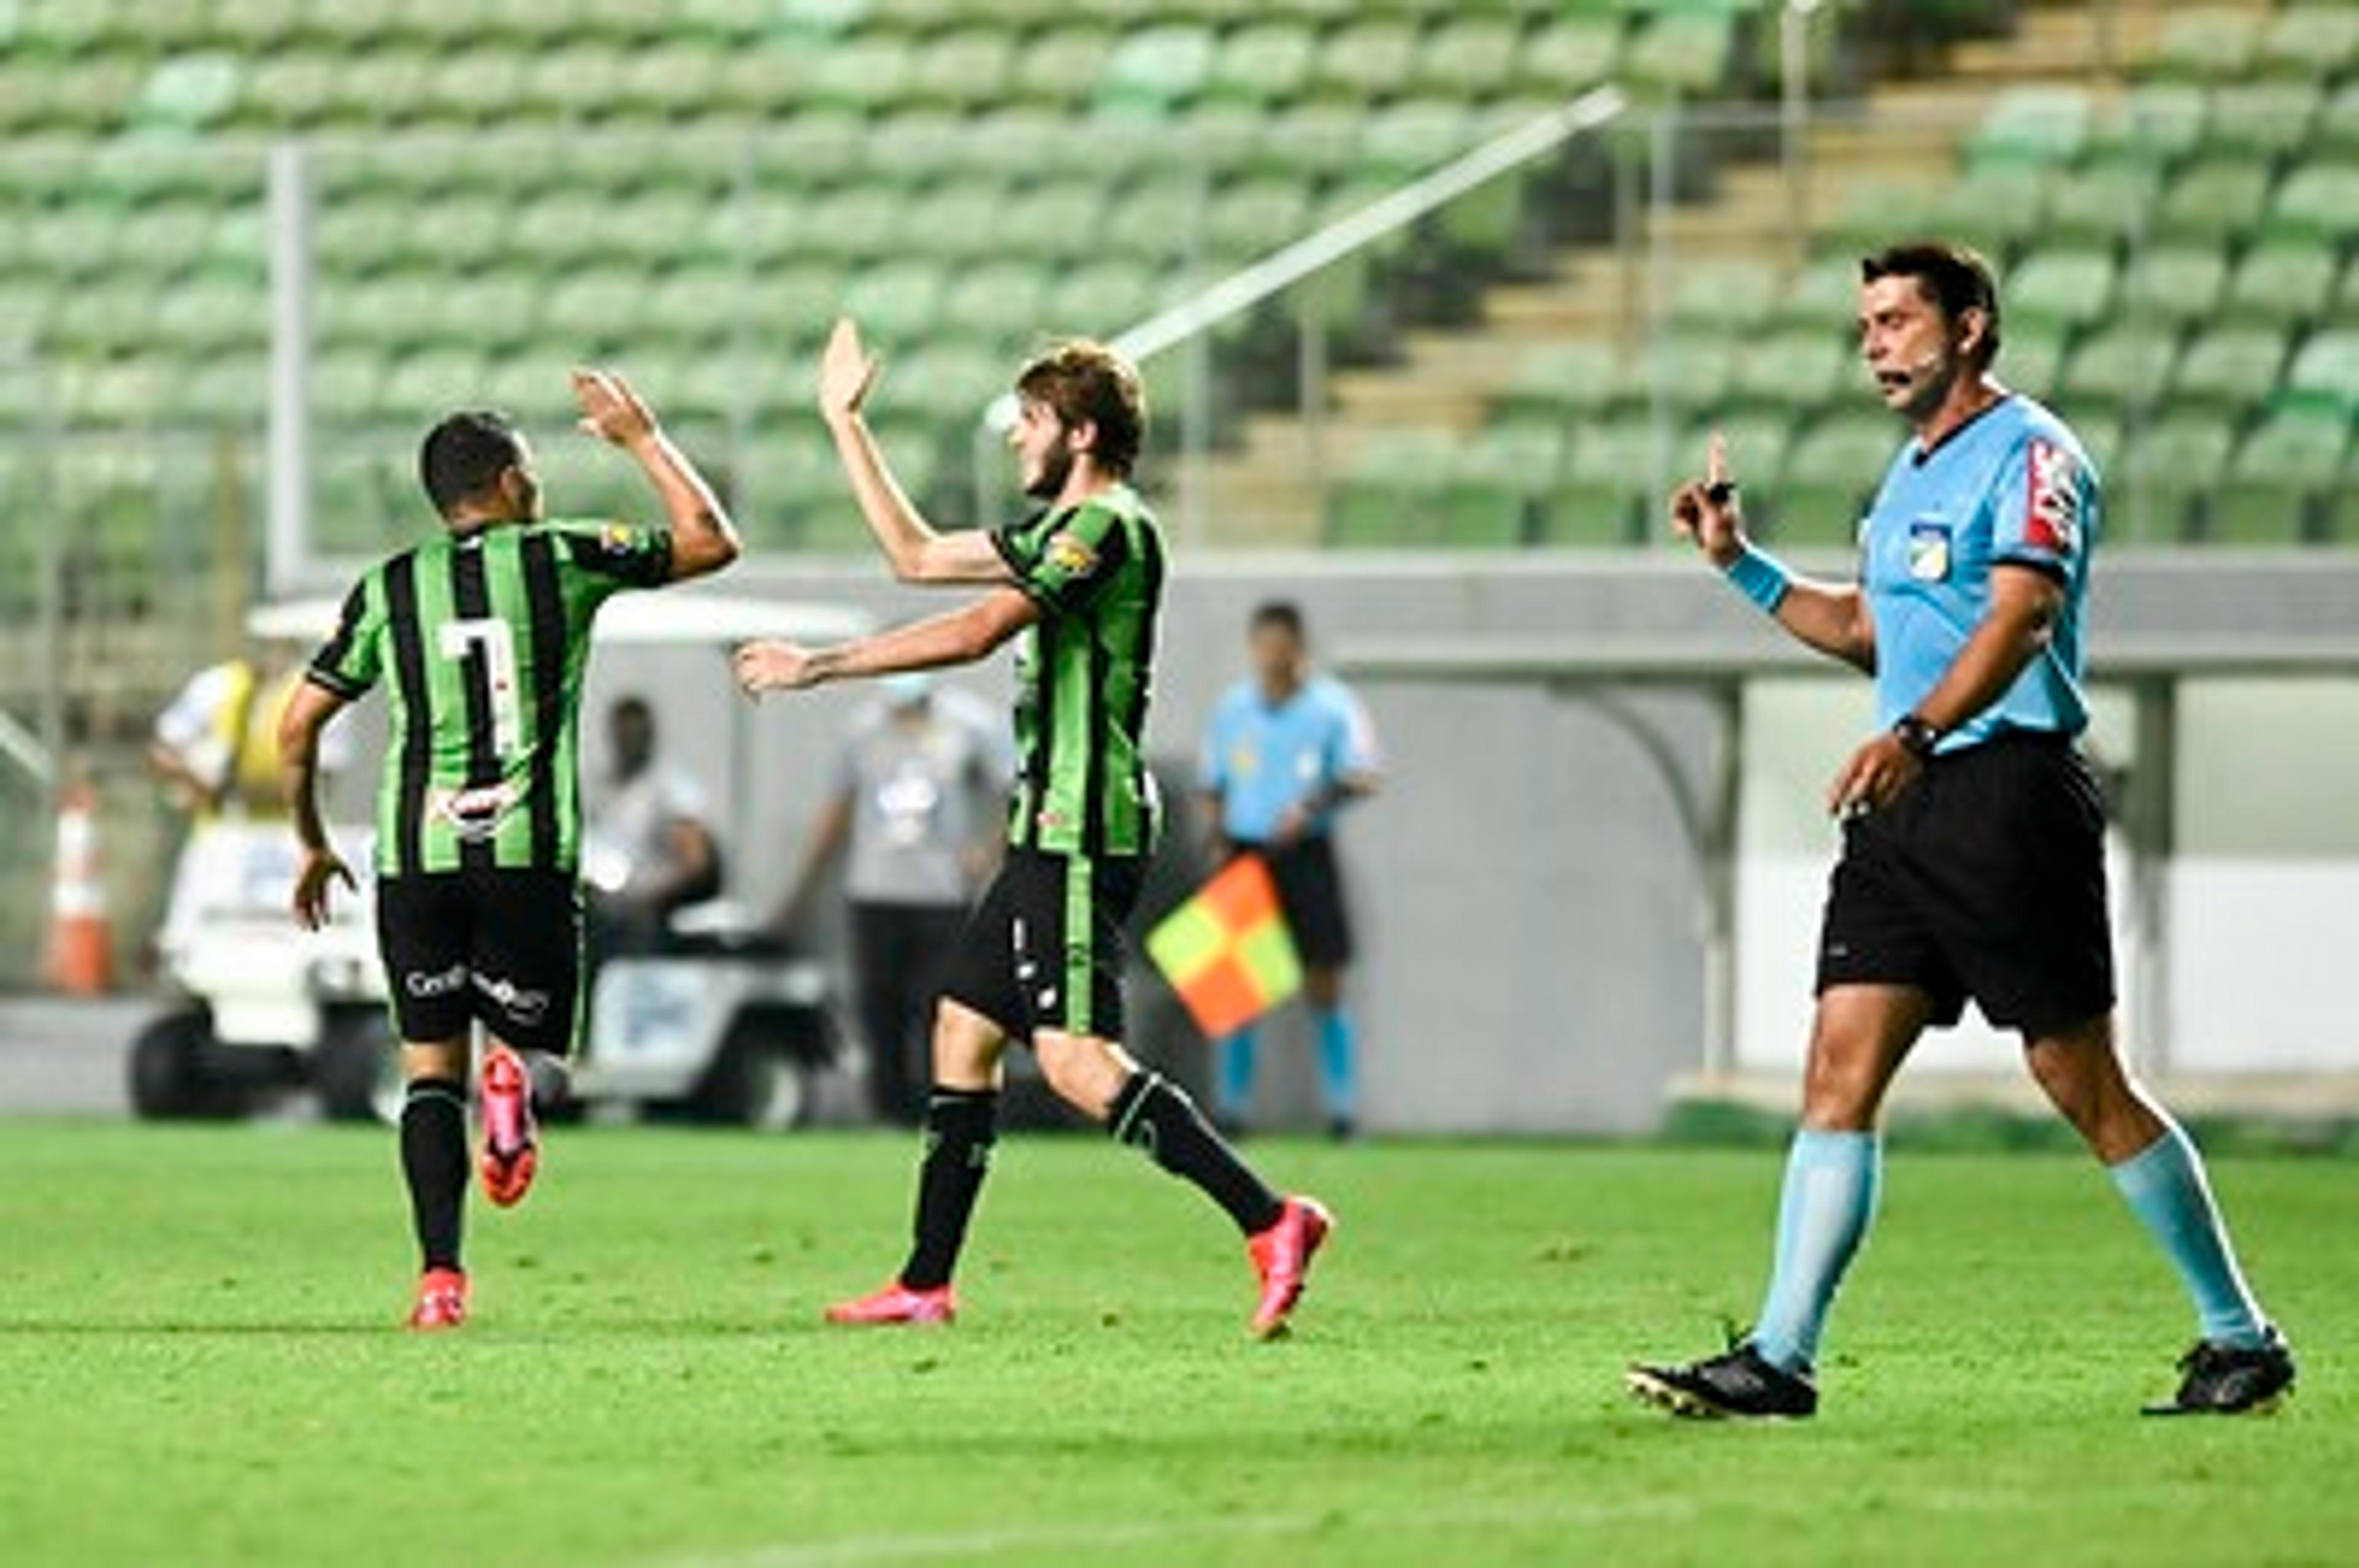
[[1973, 864], [1286, 750], [482, 630]]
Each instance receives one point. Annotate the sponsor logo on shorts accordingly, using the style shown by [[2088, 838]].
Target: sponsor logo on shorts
[[441, 982], [524, 1007], [475, 814]]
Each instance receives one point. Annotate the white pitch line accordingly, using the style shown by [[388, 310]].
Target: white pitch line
[[1113, 1534]]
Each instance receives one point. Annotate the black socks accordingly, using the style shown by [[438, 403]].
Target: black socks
[[434, 1159], [1154, 1116], [960, 1127]]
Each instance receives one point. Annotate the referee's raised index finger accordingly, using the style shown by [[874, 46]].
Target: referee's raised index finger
[[1715, 459]]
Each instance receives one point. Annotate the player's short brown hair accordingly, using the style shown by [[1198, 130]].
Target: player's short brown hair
[[1955, 277], [1084, 382]]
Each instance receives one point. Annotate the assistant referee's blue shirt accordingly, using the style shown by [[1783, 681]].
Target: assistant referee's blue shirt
[[2012, 485], [1262, 757]]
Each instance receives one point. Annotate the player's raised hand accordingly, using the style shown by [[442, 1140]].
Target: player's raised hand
[[609, 410], [773, 666], [322, 870], [1704, 511], [847, 371]]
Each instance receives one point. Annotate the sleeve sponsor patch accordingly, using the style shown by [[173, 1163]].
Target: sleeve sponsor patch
[[1070, 554], [2051, 514]]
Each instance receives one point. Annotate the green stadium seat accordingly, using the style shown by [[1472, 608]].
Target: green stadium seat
[[108, 318], [2209, 44], [1060, 68], [477, 86], [765, 82], [672, 80], [209, 314], [1997, 209], [868, 74], [2325, 371], [2031, 356], [1683, 53], [896, 302], [2124, 367], [347, 386], [2153, 123], [2219, 198], [2282, 283], [1608, 494], [1256, 217], [1471, 58], [965, 69], [2230, 368], [1053, 220], [854, 221], [696, 304], [1735, 295], [2312, 41], [1000, 301], [257, 26], [572, 82], [188, 92], [958, 221], [2044, 126], [1873, 211], [595, 308], [2072, 288], [2173, 285], [1391, 492], [1833, 469], [1312, 140], [1152, 219], [1365, 61], [1794, 370], [1823, 295], [2108, 204], [1568, 52], [2337, 131], [1415, 136], [1499, 483], [1565, 381], [1264, 65], [1154, 69], [2168, 472], [2281, 486], [2265, 119], [950, 382], [1100, 299], [2317, 204]]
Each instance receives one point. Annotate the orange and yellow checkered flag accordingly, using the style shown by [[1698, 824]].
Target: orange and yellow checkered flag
[[1226, 951]]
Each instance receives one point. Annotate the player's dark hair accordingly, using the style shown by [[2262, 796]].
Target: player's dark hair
[[1954, 277], [1087, 383], [464, 456], [1283, 614]]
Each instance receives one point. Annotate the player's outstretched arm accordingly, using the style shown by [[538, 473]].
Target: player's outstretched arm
[[308, 708], [703, 540], [916, 550], [1830, 617], [960, 637]]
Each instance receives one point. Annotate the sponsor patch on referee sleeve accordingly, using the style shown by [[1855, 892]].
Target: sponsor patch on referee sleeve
[[2051, 515]]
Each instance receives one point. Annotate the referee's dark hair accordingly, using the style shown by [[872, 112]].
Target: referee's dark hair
[[1281, 613], [1954, 276], [464, 456]]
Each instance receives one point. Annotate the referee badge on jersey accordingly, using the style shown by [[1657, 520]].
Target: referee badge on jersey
[[1929, 550]]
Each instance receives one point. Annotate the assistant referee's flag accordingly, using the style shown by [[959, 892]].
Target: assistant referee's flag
[[1226, 951]]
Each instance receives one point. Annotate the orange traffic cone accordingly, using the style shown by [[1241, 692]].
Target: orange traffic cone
[[81, 953]]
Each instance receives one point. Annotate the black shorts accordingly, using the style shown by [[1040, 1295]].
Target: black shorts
[[1986, 880], [502, 947], [1044, 949], [1310, 895]]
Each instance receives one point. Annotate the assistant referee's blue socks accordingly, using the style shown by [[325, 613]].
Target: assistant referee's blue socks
[[1338, 1070], [2165, 1187], [1822, 1216], [1234, 1090]]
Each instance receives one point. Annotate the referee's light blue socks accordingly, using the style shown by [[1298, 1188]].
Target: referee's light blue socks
[[1822, 1216], [1339, 1072], [2165, 1187], [1235, 1087]]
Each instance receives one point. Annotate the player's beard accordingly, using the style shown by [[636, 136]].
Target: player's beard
[[1056, 467]]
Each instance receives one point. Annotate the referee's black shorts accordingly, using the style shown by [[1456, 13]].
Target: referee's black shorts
[[1046, 948], [503, 946], [1310, 895], [1986, 880]]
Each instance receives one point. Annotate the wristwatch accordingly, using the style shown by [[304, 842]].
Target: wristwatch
[[1918, 735]]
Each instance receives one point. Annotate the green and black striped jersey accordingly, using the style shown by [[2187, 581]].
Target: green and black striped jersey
[[485, 636], [1084, 676]]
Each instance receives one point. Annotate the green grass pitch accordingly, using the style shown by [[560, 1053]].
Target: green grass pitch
[[198, 1365]]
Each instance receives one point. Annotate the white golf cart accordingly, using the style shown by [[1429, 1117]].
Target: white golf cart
[[723, 1025]]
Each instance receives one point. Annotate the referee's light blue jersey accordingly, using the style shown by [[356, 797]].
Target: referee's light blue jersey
[[2012, 485], [1261, 758]]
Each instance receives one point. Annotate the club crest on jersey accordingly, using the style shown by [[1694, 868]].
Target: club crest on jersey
[[615, 539], [2052, 519], [1071, 554]]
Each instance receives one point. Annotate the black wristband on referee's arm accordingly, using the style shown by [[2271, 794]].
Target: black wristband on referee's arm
[[1916, 735]]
